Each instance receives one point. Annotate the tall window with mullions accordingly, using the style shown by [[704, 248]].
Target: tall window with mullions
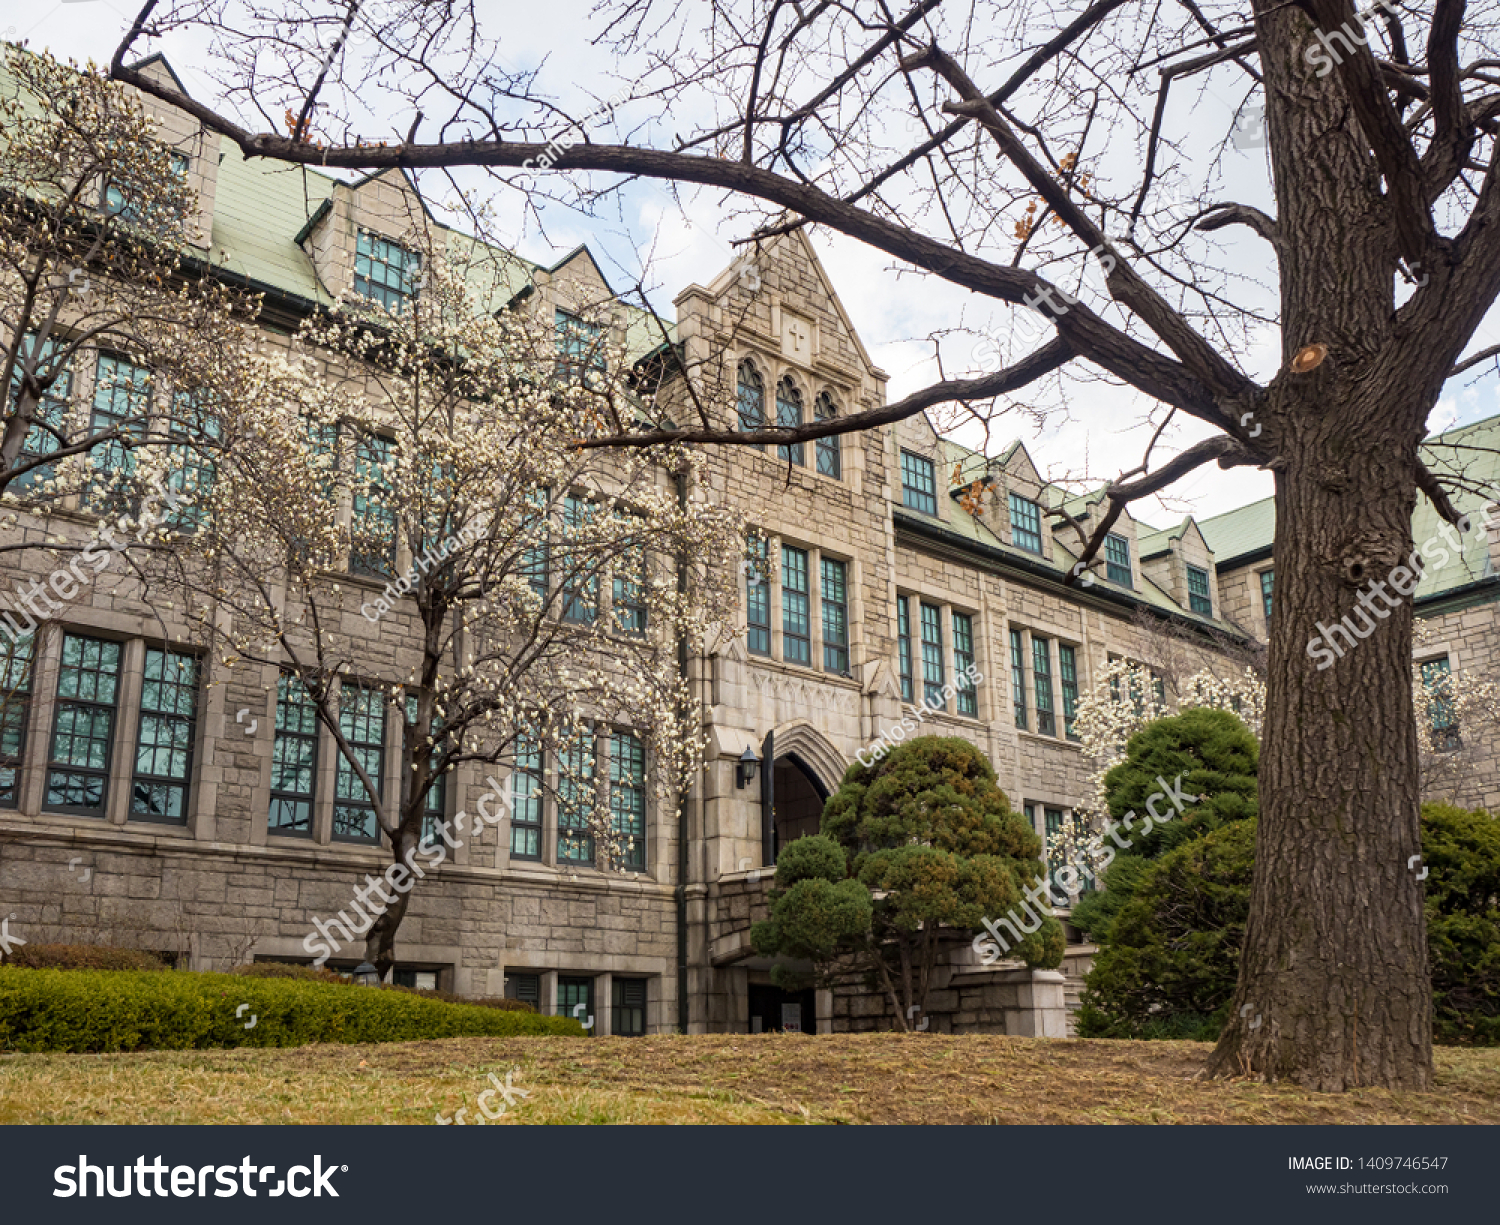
[[903, 648], [963, 660], [1041, 667], [372, 528], [830, 461], [122, 401], [1437, 681], [789, 416], [192, 472], [362, 722], [932, 657], [751, 395], [435, 803], [796, 607], [580, 579], [50, 413], [627, 799], [758, 595], [833, 592], [575, 799], [17, 657], [294, 759], [1067, 658], [88, 685], [526, 800], [628, 582], [164, 747], [1018, 676]]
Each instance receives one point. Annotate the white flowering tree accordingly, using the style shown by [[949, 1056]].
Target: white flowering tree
[[1458, 718], [96, 290], [407, 528], [1126, 697]]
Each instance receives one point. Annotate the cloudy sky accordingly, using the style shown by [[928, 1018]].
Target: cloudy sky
[[671, 241]]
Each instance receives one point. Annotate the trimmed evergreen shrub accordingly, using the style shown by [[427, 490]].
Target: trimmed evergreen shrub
[[83, 957], [1170, 966], [322, 974], [915, 850], [89, 1011], [1217, 758]]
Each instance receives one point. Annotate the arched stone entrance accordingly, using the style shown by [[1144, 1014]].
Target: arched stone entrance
[[801, 769]]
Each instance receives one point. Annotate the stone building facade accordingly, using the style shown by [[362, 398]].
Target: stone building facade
[[893, 560]]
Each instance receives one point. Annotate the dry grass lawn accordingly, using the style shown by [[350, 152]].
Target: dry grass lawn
[[866, 1078]]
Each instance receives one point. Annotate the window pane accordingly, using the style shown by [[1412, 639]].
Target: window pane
[[627, 798], [830, 461], [192, 471], [1117, 559], [752, 401], [628, 593], [372, 548], [575, 800], [51, 409], [164, 747], [294, 759], [580, 581], [122, 399], [575, 998], [1267, 582], [835, 616], [963, 659], [526, 793], [362, 722], [1018, 676], [789, 414], [796, 615], [87, 682], [580, 348], [918, 483], [385, 272], [1025, 524], [903, 648], [1442, 718], [1068, 666], [1053, 850], [1041, 666], [535, 560], [758, 595], [524, 987], [16, 668], [1199, 599], [932, 657]]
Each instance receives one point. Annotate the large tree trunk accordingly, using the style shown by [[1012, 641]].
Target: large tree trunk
[[1334, 989]]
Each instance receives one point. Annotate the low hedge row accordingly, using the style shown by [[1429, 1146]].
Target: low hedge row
[[82, 957], [321, 974], [88, 1011]]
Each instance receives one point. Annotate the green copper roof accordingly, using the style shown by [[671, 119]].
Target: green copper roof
[[1470, 453]]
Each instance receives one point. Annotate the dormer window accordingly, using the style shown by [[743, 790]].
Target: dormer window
[[118, 201], [385, 271], [918, 483], [1199, 599], [1117, 560], [1025, 524]]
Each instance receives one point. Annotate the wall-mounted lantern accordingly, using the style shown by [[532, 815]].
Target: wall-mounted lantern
[[744, 770]]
